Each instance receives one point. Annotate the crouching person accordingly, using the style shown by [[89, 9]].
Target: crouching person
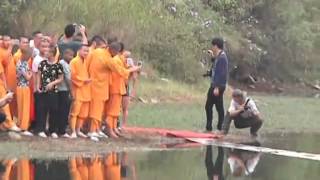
[[244, 112]]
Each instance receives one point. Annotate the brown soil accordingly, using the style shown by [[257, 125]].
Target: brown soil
[[36, 147]]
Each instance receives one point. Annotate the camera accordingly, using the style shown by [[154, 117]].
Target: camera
[[139, 63]]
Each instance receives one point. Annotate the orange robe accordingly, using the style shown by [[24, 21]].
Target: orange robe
[[73, 170], [95, 169], [4, 59], [80, 92], [23, 169], [23, 103], [112, 167], [31, 85], [117, 90], [82, 168], [100, 68]]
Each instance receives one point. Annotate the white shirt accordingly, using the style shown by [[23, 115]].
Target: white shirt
[[250, 164], [251, 105], [35, 64], [36, 52]]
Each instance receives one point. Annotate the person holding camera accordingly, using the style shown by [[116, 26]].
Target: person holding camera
[[219, 76], [69, 41], [244, 112]]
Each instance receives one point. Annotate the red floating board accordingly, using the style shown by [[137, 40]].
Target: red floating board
[[172, 133]]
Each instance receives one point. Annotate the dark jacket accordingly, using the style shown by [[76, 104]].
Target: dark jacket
[[219, 75]]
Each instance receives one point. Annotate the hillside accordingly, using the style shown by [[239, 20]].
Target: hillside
[[271, 41]]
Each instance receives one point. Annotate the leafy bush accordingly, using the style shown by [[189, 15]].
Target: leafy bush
[[171, 35]]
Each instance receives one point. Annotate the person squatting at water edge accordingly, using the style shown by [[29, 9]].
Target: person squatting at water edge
[[244, 112], [69, 81]]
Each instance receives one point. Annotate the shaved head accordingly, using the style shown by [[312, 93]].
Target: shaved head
[[6, 41]]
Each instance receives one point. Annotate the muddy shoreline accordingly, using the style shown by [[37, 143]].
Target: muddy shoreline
[[36, 147]]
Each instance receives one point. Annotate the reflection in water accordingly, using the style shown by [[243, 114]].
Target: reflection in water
[[241, 162], [114, 166], [214, 171], [210, 162]]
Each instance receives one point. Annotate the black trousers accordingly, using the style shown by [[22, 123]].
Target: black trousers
[[47, 106], [254, 123], [63, 111], [218, 102], [3, 117], [215, 169], [36, 110]]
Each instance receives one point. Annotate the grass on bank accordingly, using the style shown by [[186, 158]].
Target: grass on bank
[[185, 108]]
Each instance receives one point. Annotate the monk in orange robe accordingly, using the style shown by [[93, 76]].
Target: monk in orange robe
[[100, 79], [100, 68], [24, 74], [80, 90], [112, 167], [5, 56], [23, 169], [95, 169], [116, 88], [11, 73]]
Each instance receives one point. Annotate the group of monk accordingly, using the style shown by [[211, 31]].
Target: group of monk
[[65, 82]]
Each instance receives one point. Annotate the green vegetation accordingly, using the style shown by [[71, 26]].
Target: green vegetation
[[187, 111], [274, 38]]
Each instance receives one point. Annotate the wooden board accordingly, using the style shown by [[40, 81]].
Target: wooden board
[[280, 152]]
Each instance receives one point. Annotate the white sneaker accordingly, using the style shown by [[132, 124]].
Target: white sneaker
[[27, 133], [81, 134], [15, 129], [42, 134], [94, 134], [73, 136], [54, 136], [100, 133], [94, 139], [66, 135]]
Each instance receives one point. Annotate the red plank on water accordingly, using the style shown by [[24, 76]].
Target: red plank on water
[[172, 133]]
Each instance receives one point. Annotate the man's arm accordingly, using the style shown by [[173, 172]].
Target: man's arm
[[122, 71], [83, 34], [5, 100], [75, 78]]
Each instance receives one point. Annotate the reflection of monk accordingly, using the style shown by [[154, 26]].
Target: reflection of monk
[[214, 171], [95, 169], [20, 170], [78, 168], [243, 162], [112, 169], [23, 169], [5, 169], [73, 170]]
